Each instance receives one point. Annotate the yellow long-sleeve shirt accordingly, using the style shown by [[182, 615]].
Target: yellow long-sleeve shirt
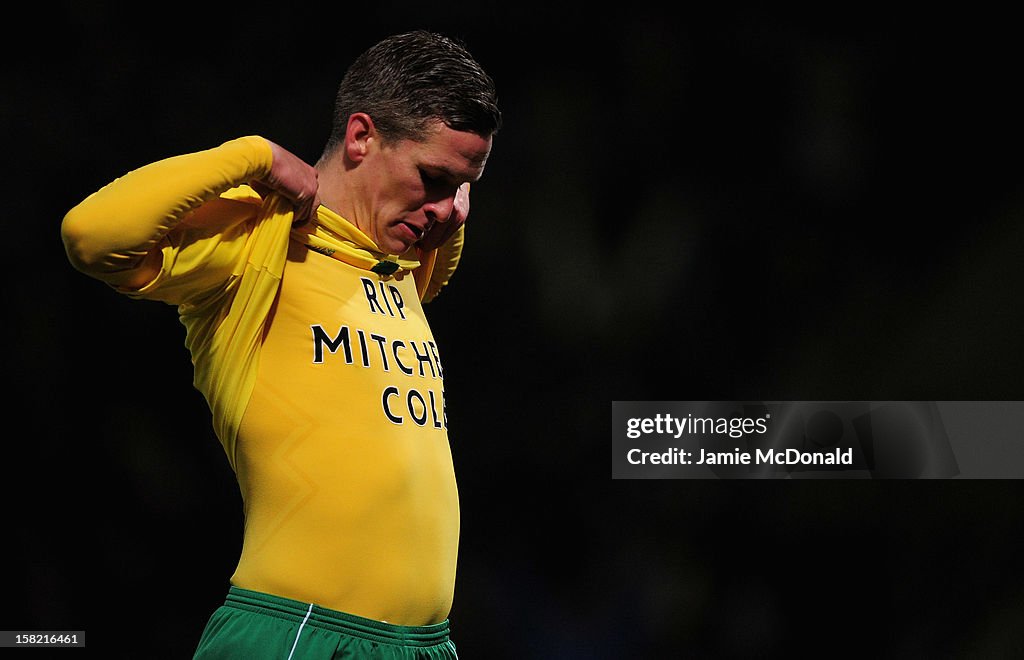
[[323, 377]]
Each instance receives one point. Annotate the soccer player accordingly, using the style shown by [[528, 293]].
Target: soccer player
[[301, 289]]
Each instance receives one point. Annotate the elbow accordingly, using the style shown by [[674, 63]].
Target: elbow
[[74, 232], [91, 248], [98, 254]]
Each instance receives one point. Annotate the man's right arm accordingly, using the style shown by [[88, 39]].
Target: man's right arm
[[115, 234]]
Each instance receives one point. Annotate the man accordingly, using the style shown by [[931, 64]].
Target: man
[[300, 289]]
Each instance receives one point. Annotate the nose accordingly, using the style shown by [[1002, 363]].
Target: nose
[[441, 209]]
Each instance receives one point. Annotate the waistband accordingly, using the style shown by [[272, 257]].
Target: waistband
[[335, 621]]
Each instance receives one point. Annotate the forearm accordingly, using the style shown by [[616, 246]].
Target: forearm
[[114, 229]]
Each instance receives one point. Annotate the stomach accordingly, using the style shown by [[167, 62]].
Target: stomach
[[347, 509]]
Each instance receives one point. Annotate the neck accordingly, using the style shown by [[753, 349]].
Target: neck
[[338, 189]]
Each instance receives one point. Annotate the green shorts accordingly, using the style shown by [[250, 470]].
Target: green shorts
[[254, 626]]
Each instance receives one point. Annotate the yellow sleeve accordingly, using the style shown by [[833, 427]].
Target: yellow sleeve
[[116, 227], [222, 252], [438, 266]]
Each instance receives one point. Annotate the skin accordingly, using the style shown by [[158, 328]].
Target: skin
[[406, 192], [399, 193]]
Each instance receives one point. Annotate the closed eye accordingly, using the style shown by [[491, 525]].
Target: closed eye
[[442, 184], [431, 180]]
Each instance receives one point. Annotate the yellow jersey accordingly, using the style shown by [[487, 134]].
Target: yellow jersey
[[324, 380]]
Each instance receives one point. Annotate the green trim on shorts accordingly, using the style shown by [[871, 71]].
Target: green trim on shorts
[[255, 625]]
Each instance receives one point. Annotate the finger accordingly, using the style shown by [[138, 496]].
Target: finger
[[460, 205], [306, 211], [438, 235], [301, 217]]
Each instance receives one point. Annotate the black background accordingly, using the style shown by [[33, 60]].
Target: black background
[[681, 206]]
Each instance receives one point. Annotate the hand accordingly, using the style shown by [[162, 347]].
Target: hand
[[293, 179], [439, 233]]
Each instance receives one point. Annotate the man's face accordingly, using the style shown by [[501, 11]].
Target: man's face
[[409, 185]]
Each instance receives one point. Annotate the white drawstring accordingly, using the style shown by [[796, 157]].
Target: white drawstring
[[296, 642]]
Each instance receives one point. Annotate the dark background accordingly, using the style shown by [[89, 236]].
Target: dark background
[[681, 206]]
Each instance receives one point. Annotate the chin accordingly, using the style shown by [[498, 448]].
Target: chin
[[397, 247]]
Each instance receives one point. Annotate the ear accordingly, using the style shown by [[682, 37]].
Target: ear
[[358, 136]]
